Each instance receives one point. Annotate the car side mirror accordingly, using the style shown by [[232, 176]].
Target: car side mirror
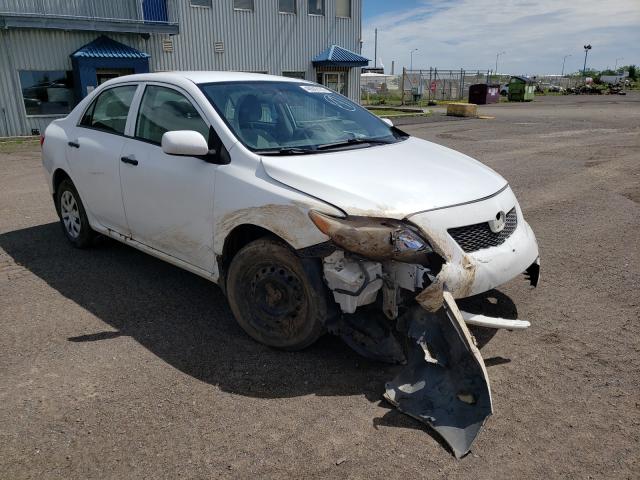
[[387, 121], [184, 142]]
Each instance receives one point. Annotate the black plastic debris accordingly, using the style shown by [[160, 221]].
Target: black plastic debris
[[444, 383], [370, 334]]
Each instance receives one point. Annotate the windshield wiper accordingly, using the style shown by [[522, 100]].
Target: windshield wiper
[[284, 151], [353, 141]]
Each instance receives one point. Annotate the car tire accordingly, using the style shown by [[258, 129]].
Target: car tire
[[73, 217], [276, 297]]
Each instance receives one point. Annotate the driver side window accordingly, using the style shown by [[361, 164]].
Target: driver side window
[[164, 109]]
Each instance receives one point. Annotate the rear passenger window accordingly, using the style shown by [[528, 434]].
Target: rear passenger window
[[109, 111], [162, 110]]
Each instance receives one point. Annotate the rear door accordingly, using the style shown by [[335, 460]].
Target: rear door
[[168, 199], [94, 155]]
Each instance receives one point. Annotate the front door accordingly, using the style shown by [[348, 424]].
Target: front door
[[93, 153], [104, 74], [168, 199], [336, 81]]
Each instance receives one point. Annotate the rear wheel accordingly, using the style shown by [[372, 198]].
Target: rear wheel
[[73, 217], [276, 299]]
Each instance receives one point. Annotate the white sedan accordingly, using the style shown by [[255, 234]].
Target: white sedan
[[308, 211], [298, 202]]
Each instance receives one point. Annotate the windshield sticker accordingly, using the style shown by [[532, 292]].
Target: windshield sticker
[[313, 89], [340, 102]]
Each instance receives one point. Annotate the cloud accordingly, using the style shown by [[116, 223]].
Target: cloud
[[469, 33]]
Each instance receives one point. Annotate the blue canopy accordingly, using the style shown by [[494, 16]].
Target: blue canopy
[[105, 47], [104, 53], [336, 56]]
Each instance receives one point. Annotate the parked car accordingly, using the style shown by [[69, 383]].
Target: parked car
[[299, 203], [504, 90]]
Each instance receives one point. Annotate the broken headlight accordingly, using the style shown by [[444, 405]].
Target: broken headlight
[[375, 238]]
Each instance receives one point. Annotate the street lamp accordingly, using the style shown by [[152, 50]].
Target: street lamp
[[616, 68], [586, 52], [411, 53], [563, 60], [498, 56]]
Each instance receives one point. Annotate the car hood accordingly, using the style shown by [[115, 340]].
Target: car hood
[[391, 181]]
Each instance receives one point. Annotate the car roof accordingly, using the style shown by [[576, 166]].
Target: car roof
[[199, 77]]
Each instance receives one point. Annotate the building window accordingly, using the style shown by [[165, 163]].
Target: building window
[[201, 3], [243, 5], [287, 6], [343, 8], [300, 75], [47, 92], [316, 7]]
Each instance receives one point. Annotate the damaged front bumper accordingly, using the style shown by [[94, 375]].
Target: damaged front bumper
[[444, 383]]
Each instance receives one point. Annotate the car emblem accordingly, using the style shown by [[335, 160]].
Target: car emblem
[[497, 225]]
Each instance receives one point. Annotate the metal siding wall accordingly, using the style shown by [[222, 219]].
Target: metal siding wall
[[123, 9], [31, 49], [263, 40]]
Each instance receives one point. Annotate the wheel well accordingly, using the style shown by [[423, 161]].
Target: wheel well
[[58, 176], [236, 239]]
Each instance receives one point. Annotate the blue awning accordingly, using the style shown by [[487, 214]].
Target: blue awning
[[336, 56], [105, 47]]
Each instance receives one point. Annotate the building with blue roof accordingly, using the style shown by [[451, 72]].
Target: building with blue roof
[[52, 53]]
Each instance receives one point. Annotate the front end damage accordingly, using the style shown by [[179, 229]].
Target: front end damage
[[412, 271]]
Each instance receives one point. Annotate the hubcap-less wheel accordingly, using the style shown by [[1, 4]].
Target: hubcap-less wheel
[[70, 214], [276, 298]]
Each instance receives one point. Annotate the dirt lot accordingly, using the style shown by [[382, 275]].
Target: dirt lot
[[117, 365]]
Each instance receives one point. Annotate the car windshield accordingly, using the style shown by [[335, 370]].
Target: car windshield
[[288, 118]]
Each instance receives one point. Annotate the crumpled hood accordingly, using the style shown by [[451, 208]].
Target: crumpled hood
[[390, 181]]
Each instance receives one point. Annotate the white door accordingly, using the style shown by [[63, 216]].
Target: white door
[[335, 81], [168, 199], [94, 151]]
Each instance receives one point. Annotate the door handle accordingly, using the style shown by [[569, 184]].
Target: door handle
[[73, 144], [129, 160]]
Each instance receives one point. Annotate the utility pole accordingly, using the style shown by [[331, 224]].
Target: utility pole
[[616, 68], [375, 50], [586, 52], [498, 56], [411, 63], [563, 60]]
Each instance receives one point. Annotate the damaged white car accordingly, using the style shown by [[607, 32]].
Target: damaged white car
[[311, 213]]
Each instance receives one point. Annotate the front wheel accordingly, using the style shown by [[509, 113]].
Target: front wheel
[[274, 298], [73, 217]]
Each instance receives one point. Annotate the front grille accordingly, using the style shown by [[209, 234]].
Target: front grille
[[476, 237]]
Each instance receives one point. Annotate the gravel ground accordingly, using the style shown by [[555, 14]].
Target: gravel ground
[[116, 365]]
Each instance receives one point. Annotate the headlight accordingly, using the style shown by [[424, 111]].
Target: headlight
[[374, 238]]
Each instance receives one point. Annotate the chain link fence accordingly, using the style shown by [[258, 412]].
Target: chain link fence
[[421, 87]]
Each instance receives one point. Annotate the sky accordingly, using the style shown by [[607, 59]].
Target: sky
[[535, 35]]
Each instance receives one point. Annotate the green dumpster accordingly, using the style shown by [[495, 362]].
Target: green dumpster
[[521, 89]]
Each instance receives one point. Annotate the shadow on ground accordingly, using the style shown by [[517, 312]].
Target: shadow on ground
[[185, 320]]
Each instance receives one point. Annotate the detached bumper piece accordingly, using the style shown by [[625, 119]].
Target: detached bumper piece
[[445, 382]]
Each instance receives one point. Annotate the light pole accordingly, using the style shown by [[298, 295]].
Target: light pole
[[498, 56], [411, 63], [616, 69], [563, 60], [586, 52]]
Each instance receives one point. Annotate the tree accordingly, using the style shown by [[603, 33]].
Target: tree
[[633, 71]]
